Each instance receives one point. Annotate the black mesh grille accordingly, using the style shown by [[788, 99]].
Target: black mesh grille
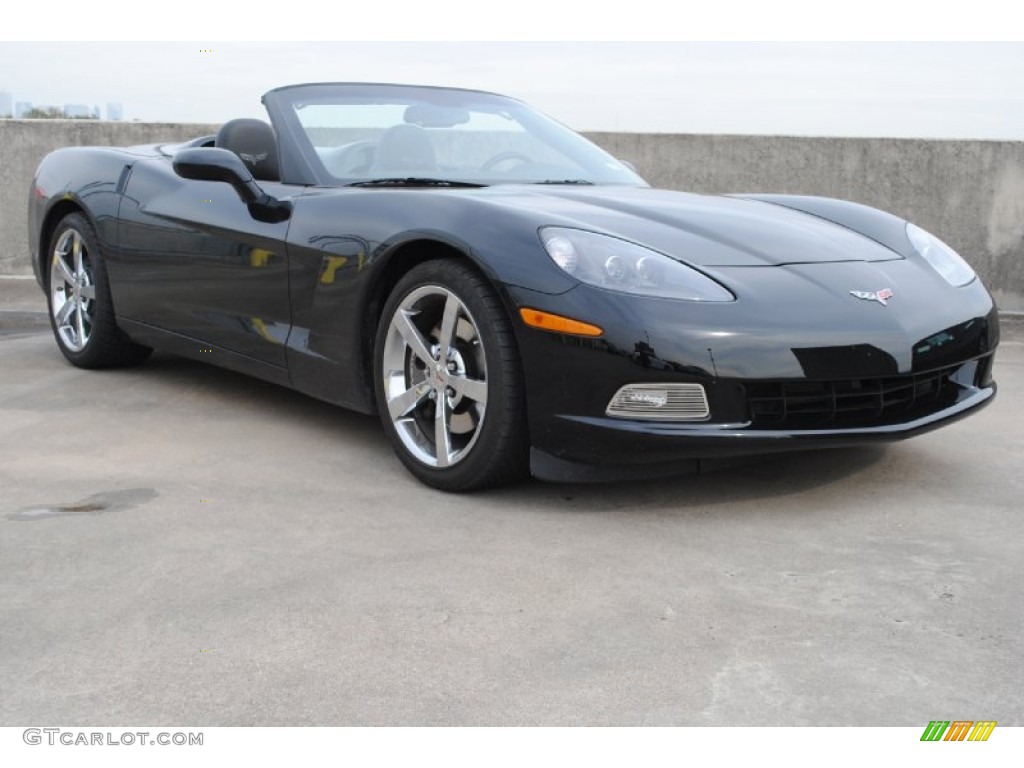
[[850, 402]]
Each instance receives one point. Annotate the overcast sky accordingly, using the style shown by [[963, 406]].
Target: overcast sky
[[933, 90]]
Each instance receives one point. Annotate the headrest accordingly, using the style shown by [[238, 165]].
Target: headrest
[[253, 141]]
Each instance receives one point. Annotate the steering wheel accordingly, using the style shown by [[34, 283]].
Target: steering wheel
[[504, 157]]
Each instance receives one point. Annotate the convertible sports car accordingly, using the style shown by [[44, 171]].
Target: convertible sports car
[[507, 296]]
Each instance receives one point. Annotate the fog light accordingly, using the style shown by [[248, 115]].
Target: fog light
[[669, 402]]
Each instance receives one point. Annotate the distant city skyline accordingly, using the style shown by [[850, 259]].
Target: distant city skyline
[[19, 109]]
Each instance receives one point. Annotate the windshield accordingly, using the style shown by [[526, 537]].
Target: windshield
[[362, 134]]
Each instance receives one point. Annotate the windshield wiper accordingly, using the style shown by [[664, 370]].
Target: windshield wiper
[[413, 181], [566, 181]]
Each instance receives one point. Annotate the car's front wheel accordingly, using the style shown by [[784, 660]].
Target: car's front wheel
[[448, 379], [81, 310]]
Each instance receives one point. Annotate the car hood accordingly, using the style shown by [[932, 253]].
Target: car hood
[[704, 230]]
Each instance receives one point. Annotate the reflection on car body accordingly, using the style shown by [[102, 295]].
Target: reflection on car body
[[507, 296]]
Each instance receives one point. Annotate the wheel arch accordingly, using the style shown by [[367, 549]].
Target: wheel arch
[[397, 262], [494, 446], [63, 207]]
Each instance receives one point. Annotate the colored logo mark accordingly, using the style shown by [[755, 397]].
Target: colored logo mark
[[958, 730], [882, 296]]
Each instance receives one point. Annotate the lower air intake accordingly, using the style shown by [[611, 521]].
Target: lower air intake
[[856, 402]]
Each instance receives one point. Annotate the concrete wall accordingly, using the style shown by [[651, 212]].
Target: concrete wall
[[970, 193], [23, 143]]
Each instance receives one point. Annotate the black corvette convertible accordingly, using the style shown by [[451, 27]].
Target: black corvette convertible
[[506, 295]]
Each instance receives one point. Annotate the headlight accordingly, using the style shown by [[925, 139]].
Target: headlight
[[944, 259], [619, 265]]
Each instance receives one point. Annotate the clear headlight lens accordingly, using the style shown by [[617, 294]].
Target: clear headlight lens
[[944, 259], [619, 265]]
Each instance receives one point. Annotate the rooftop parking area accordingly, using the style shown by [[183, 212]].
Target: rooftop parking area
[[182, 544]]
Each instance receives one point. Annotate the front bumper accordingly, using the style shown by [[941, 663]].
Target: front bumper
[[602, 448], [757, 391]]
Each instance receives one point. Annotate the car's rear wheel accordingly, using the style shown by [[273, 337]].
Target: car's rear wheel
[[448, 379], [81, 312]]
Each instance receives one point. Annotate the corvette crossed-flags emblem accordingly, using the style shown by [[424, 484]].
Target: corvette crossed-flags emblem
[[882, 296]]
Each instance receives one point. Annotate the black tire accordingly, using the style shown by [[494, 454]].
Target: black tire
[[78, 296], [479, 384]]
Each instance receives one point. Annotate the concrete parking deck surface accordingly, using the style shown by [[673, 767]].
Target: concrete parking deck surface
[[182, 545]]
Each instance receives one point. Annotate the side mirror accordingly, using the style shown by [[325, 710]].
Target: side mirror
[[215, 164]]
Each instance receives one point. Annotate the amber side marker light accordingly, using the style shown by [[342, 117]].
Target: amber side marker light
[[549, 322]]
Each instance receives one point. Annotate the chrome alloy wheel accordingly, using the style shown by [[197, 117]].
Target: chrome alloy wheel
[[435, 376], [72, 291]]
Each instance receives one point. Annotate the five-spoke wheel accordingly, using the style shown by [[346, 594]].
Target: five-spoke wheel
[[72, 291], [81, 310], [435, 376], [448, 379]]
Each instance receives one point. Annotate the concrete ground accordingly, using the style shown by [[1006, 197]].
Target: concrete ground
[[182, 545]]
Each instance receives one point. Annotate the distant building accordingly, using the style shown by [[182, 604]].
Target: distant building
[[6, 104], [95, 113], [114, 111], [77, 110], [22, 108]]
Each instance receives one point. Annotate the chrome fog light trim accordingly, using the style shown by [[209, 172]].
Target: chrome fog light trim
[[665, 402]]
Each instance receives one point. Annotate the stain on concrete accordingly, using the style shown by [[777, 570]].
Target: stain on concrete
[[97, 504]]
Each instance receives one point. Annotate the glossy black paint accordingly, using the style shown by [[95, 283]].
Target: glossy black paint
[[193, 261], [295, 299], [213, 164]]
